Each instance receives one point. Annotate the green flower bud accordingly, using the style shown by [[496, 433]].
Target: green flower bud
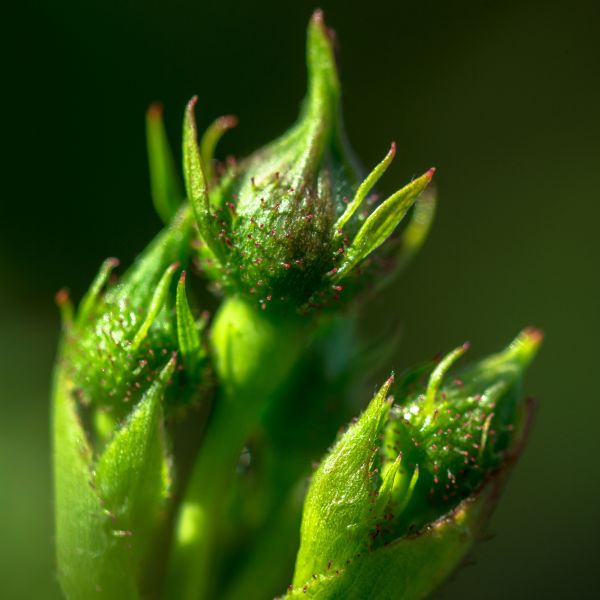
[[128, 348], [403, 493], [288, 224], [122, 336]]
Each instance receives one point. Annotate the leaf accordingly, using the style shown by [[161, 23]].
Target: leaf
[[167, 194], [92, 563], [335, 520], [132, 475], [379, 226]]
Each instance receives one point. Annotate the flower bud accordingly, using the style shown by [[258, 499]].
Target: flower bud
[[122, 336], [289, 224], [128, 348], [401, 496]]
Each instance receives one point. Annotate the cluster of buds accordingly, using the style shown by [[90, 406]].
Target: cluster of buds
[[401, 496], [292, 228]]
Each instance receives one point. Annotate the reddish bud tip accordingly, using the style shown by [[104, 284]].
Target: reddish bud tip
[[534, 334], [228, 121], [155, 110], [191, 105], [62, 297], [431, 172], [318, 16], [182, 277]]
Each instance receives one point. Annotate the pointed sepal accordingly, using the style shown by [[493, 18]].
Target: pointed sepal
[[336, 519], [188, 333], [165, 184], [132, 475], [380, 224]]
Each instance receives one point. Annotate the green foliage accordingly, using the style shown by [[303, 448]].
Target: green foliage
[[182, 442]]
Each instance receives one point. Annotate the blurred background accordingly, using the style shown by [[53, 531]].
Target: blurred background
[[502, 97]]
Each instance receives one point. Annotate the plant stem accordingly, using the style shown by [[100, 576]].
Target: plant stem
[[254, 355]]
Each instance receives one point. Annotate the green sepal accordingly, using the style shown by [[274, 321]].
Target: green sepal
[[197, 185], [157, 303], [410, 567], [90, 300], [91, 561], [417, 229], [188, 334], [165, 184], [381, 223], [132, 474], [335, 520], [209, 141], [365, 187]]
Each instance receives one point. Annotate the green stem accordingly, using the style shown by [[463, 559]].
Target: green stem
[[254, 354]]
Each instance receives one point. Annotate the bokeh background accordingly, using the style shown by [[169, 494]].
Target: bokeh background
[[502, 97]]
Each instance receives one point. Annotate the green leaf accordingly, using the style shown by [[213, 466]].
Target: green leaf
[[188, 336], [92, 562], [379, 226], [167, 194], [336, 519], [132, 475]]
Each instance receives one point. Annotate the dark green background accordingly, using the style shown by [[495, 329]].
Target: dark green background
[[502, 97]]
